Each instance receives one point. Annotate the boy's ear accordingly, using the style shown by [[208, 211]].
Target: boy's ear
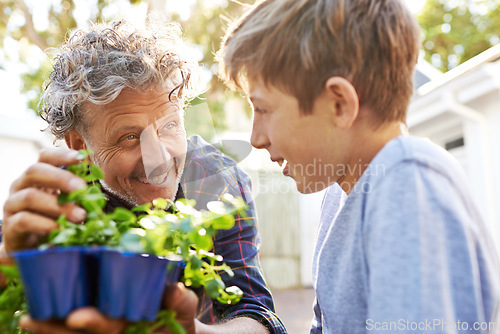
[[75, 140], [343, 100]]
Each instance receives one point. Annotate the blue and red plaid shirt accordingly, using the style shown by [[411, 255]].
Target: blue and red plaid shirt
[[208, 175]]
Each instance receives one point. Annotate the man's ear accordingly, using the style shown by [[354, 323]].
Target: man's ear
[[75, 140], [343, 100]]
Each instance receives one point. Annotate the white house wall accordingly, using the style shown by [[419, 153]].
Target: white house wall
[[467, 105], [21, 140], [16, 155]]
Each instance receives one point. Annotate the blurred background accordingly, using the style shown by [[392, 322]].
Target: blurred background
[[456, 104]]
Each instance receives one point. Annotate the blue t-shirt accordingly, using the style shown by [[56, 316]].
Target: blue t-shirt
[[406, 251]]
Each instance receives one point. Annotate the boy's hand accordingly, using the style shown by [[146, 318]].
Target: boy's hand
[[88, 319], [31, 209]]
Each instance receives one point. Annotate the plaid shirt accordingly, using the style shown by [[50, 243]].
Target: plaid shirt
[[208, 175]]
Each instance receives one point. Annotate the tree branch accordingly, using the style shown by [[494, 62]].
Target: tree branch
[[29, 28]]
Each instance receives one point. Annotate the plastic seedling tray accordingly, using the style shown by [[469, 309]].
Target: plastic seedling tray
[[53, 281], [121, 284], [131, 285]]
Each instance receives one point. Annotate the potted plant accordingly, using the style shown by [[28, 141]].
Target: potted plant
[[121, 261]]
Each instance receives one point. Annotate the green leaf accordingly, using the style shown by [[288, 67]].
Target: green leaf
[[213, 287], [132, 242], [142, 208], [161, 203], [96, 172], [231, 295], [64, 238], [186, 209], [217, 207], [83, 154], [122, 214], [186, 202], [185, 226], [63, 198], [202, 240], [195, 263], [10, 271], [75, 195], [223, 222]]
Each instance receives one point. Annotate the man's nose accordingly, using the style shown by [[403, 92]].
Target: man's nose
[[155, 156], [259, 137]]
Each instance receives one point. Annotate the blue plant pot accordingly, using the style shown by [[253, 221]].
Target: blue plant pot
[[53, 281], [121, 284], [131, 285]]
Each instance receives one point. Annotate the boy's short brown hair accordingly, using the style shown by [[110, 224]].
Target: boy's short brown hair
[[296, 45]]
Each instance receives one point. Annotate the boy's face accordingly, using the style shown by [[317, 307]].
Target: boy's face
[[306, 143]]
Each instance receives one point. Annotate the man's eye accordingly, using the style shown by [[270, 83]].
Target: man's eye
[[129, 137]]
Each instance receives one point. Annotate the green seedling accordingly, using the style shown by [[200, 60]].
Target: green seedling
[[161, 228]]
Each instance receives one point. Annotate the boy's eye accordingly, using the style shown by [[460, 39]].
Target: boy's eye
[[259, 110]]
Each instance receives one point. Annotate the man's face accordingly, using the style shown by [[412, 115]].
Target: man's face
[[139, 141], [304, 142]]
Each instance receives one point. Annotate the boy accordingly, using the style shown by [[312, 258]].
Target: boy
[[401, 247]]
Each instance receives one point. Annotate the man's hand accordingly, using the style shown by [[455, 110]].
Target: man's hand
[[31, 210], [177, 298]]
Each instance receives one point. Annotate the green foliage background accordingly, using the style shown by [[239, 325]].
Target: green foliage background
[[204, 28], [455, 31]]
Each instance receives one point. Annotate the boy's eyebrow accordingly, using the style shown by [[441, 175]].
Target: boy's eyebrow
[[262, 101], [256, 99]]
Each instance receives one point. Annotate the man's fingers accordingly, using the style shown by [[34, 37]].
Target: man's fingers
[[86, 319], [90, 319], [31, 208], [28, 222], [178, 296], [24, 229], [58, 156], [43, 327], [184, 302], [46, 175], [41, 202]]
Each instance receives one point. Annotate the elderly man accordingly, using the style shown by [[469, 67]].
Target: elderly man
[[120, 92]]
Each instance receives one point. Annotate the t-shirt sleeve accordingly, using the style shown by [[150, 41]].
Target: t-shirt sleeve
[[427, 256]]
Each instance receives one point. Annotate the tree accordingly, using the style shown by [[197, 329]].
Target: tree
[[61, 20], [204, 27], [456, 31]]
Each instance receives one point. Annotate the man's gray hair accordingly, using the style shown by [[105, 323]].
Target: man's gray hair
[[96, 64]]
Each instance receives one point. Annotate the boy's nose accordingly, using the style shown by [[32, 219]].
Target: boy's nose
[[259, 138]]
